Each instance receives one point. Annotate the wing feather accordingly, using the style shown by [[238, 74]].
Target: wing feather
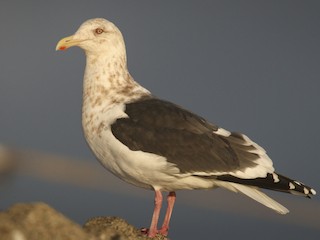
[[187, 140]]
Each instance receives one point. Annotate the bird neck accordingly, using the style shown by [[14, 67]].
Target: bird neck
[[107, 81]]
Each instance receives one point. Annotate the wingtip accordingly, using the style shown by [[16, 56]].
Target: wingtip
[[313, 191]]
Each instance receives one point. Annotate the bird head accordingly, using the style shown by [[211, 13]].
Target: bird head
[[95, 36]]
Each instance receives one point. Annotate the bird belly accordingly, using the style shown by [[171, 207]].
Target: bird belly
[[139, 168], [145, 170]]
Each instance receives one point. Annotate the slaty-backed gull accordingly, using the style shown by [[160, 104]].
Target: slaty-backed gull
[[157, 145]]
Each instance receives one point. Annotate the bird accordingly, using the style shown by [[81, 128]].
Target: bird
[[158, 145]]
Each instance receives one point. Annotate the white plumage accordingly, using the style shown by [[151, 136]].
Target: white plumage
[[157, 145]]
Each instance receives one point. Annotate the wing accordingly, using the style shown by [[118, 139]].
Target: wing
[[191, 143]]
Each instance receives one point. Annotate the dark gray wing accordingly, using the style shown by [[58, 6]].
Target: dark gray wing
[[185, 139]]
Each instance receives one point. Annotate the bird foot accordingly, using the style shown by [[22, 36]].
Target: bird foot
[[164, 231], [146, 231]]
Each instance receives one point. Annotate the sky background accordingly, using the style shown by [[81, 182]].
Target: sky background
[[247, 66]]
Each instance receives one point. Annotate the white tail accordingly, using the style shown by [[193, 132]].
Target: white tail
[[255, 194]]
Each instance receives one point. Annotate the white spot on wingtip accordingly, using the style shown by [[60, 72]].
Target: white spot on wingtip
[[296, 182], [223, 132], [291, 185], [275, 178], [313, 191], [306, 191]]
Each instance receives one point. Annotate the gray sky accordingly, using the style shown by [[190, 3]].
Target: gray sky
[[248, 66]]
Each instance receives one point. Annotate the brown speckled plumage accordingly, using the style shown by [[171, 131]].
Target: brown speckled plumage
[[158, 145]]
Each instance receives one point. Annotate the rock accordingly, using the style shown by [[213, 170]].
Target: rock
[[39, 221], [112, 228]]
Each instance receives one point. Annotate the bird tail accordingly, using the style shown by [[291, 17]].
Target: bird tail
[[255, 194], [273, 181]]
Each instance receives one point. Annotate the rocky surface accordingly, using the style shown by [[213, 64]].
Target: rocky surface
[[39, 221]]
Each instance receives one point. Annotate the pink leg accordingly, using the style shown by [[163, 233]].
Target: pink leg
[[156, 212], [165, 226]]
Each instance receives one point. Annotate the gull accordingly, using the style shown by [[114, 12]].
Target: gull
[[158, 145]]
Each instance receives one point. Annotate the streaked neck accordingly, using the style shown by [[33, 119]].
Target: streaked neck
[[108, 81]]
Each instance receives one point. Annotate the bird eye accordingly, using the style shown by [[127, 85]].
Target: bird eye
[[99, 31]]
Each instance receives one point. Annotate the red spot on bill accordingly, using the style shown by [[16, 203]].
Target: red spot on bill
[[62, 48]]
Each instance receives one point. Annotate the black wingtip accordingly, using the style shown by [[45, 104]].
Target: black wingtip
[[274, 181]]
